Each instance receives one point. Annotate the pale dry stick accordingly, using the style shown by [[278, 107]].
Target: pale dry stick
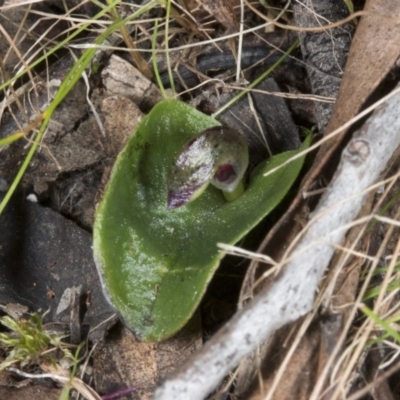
[[292, 294], [314, 97], [10, 93], [18, 4], [262, 136], [91, 105], [76, 383], [49, 83], [79, 20], [351, 252], [3, 103], [203, 84], [261, 258], [241, 32], [366, 328], [390, 221], [262, 141], [240, 42], [68, 195], [112, 317], [238, 251], [30, 142]]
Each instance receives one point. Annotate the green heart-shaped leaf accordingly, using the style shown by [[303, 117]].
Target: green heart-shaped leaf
[[156, 263]]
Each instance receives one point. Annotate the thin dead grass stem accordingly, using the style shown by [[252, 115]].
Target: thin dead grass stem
[[324, 295], [346, 359], [363, 334]]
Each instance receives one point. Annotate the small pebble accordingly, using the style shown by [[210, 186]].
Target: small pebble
[[32, 198], [3, 185]]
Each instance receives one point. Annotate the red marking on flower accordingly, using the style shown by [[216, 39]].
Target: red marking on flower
[[225, 173]]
